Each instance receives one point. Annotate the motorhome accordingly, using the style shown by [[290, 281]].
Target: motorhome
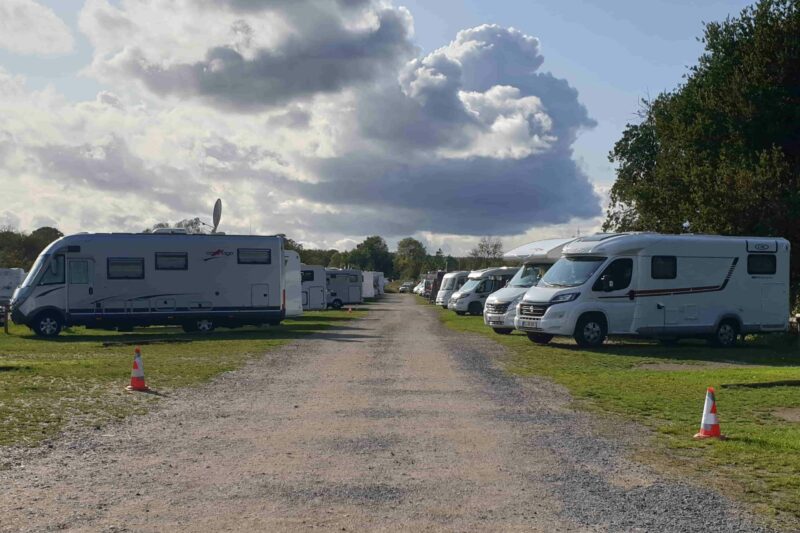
[[122, 280], [536, 257], [344, 287], [480, 284], [293, 284], [662, 286], [10, 279], [314, 287], [368, 284], [380, 284], [451, 282], [419, 288]]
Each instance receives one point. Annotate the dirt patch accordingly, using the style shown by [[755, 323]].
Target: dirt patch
[[790, 414]]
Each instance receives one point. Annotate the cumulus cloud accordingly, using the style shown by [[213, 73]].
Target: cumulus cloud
[[27, 27]]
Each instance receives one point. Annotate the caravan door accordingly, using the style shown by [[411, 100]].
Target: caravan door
[[80, 286], [355, 294]]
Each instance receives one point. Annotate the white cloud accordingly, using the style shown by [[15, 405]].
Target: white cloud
[[27, 27]]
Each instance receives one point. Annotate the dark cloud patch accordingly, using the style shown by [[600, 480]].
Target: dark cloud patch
[[327, 61]]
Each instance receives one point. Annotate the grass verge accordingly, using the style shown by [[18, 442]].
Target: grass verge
[[664, 387], [80, 376]]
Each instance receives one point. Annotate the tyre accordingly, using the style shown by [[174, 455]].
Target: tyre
[[591, 331], [48, 324], [475, 308], [539, 338], [461, 313], [199, 326], [503, 331], [444, 307], [726, 335], [336, 304]]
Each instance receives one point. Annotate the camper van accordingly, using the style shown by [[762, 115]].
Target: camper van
[[368, 284], [123, 280], [501, 306], [293, 284], [344, 287], [451, 282], [10, 279], [480, 284], [314, 287], [661, 286]]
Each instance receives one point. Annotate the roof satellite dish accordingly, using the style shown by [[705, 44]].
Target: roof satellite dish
[[217, 214]]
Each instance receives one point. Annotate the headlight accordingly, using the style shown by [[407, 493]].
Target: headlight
[[566, 297], [460, 296]]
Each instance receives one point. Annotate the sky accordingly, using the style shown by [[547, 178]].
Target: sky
[[330, 120]]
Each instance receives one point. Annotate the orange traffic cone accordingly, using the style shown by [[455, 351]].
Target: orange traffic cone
[[137, 374], [709, 425]]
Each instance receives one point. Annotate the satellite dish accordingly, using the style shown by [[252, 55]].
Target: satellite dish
[[217, 214]]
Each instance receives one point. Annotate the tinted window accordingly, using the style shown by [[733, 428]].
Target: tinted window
[[664, 267], [761, 264], [172, 261], [618, 274], [79, 272], [307, 275], [254, 256], [54, 274], [126, 268]]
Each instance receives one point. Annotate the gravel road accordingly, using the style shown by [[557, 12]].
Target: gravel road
[[389, 423]]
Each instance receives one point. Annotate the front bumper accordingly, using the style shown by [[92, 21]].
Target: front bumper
[[555, 321], [18, 317], [500, 320], [459, 305]]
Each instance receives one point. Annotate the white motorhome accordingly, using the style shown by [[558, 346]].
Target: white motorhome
[[380, 284], [123, 280], [315, 288], [451, 282], [480, 284], [368, 284], [661, 286], [344, 287], [10, 279], [293, 284], [501, 306]]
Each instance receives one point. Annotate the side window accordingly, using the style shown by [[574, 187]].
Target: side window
[[54, 275], [78, 272], [664, 267], [485, 286], [125, 268], [616, 276], [762, 264], [172, 261], [353, 279], [307, 275], [254, 256]]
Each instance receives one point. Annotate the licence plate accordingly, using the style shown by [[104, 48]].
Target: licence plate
[[529, 323]]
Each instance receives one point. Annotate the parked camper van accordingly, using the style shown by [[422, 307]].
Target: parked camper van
[[344, 287], [293, 284], [10, 279], [501, 306], [315, 288], [451, 282], [480, 284], [662, 286], [368, 284], [122, 280]]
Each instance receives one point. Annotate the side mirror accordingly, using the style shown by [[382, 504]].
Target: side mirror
[[608, 283]]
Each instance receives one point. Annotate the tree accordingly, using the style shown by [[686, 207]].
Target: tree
[[20, 250], [722, 151], [489, 250], [409, 258]]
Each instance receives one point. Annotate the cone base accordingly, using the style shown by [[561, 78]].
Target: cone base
[[137, 389], [702, 436]]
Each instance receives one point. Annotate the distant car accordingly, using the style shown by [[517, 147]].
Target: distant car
[[408, 286]]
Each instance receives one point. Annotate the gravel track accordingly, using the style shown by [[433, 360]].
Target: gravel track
[[389, 423]]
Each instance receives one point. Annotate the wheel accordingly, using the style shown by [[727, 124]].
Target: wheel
[[336, 304], [48, 324], [444, 307], [590, 331], [539, 338], [726, 335], [205, 326], [461, 313], [503, 331], [475, 308]]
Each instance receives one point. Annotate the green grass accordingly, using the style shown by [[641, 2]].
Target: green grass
[[760, 461], [47, 384]]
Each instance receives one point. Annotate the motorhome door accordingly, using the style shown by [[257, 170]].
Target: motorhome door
[[612, 288], [355, 294], [80, 285]]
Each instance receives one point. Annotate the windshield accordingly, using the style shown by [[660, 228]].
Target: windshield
[[37, 267], [528, 276], [470, 285], [571, 271], [448, 284]]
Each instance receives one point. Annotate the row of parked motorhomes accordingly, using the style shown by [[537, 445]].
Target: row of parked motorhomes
[[170, 277], [652, 285]]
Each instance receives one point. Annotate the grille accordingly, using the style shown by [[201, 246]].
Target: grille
[[498, 309], [532, 310]]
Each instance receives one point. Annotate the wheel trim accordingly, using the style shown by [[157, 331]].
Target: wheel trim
[[592, 332], [48, 326], [204, 325], [726, 334]]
